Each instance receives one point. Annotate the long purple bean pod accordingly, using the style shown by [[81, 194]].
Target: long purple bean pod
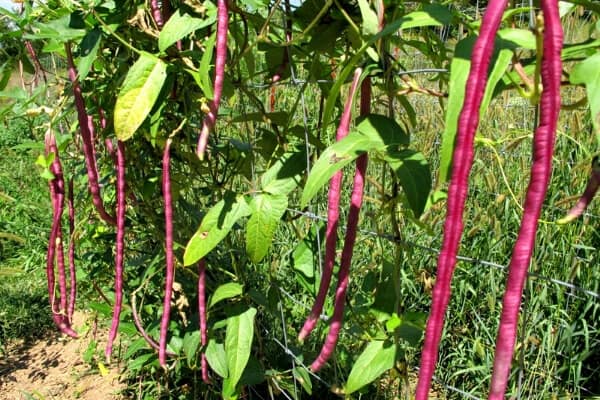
[[351, 228], [120, 247], [333, 213], [86, 128], [541, 169], [72, 272], [202, 317], [462, 162], [210, 119], [170, 267]]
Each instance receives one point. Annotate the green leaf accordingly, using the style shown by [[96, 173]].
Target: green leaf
[[459, 71], [6, 71], [175, 344], [267, 210], [88, 49], [138, 362], [303, 257], [180, 25], [577, 51], [202, 75], [238, 344], [431, 15], [523, 38], [67, 27], [215, 225], [138, 94], [301, 375], [412, 327], [374, 132], [378, 357], [588, 72], [382, 131], [205, 82], [225, 291], [253, 373], [285, 174], [132, 348], [191, 341], [370, 25], [216, 357], [412, 169]]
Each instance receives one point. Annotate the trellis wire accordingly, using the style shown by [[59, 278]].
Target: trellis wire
[[436, 251], [301, 85]]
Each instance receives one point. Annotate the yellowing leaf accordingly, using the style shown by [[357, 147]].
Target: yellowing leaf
[[103, 370], [138, 94]]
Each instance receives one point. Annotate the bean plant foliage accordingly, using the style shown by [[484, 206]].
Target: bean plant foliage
[[192, 184]]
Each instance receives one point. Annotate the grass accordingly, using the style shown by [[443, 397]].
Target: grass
[[24, 221]]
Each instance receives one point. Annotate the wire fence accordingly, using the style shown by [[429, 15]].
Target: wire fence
[[571, 289]]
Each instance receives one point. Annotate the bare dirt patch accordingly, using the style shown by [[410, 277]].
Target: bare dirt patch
[[53, 368]]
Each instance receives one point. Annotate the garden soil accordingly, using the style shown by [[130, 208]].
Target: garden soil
[[53, 368]]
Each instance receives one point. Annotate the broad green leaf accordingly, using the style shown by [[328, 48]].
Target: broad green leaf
[[132, 348], [385, 295], [303, 260], [374, 132], [67, 27], [370, 25], [138, 94], [102, 308], [412, 169], [182, 24], [127, 328], [459, 71], [238, 344], [412, 327], [378, 357], [253, 374], [334, 158], [88, 49], [523, 38], [225, 291], [191, 342], [138, 362], [382, 131], [431, 15], [588, 72], [284, 175], [578, 51], [267, 210], [215, 225], [216, 357], [175, 344]]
